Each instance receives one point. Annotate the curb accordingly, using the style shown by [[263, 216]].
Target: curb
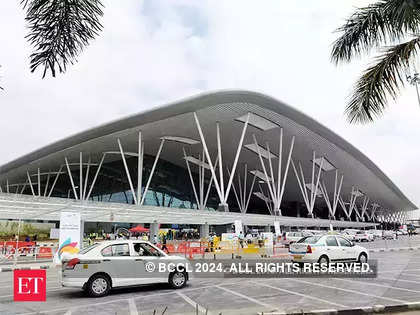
[[8, 269], [378, 250], [354, 311]]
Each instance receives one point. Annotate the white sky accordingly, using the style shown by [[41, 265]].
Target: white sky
[[152, 52]]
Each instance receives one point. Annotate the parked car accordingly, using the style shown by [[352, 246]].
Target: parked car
[[103, 266], [326, 249], [375, 233], [403, 232], [388, 235], [350, 235], [362, 236], [293, 237]]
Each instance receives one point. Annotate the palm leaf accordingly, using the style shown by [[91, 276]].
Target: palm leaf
[[382, 22], [379, 81], [59, 30]]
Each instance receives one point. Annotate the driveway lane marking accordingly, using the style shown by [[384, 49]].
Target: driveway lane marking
[[132, 307], [200, 308], [402, 280], [351, 291], [299, 294], [378, 285], [113, 301], [246, 297]]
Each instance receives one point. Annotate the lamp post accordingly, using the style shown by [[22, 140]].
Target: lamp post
[[415, 80]]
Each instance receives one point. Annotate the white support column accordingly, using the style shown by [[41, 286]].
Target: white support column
[[286, 171], [55, 180], [251, 190], [266, 199], [213, 173], [162, 141], [353, 198], [71, 178], [86, 178], [96, 176], [81, 175], [209, 186], [337, 191], [204, 230], [140, 168], [264, 169], [364, 207], [310, 202], [324, 192], [219, 153], [39, 182], [315, 190], [235, 162], [343, 206], [356, 210], [127, 171], [301, 183], [47, 183], [191, 177], [30, 183], [7, 186]]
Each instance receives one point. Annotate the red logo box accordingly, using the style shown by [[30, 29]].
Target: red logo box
[[30, 285]]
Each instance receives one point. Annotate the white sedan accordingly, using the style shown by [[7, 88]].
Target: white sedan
[[326, 249], [363, 236], [110, 264]]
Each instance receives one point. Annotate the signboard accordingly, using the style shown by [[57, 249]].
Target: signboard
[[228, 236], [70, 234], [54, 234], [238, 227], [268, 239], [277, 228]]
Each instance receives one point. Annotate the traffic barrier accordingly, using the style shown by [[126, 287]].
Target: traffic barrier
[[44, 252]]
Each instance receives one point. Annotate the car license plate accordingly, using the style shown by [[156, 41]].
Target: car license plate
[[297, 256]]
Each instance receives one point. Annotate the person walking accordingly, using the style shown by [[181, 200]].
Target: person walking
[[164, 248]]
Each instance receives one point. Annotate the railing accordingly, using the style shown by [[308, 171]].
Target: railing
[[25, 251]]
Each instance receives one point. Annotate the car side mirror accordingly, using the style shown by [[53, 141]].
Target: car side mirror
[[352, 244]]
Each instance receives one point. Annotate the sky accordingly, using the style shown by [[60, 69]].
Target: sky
[[152, 51]]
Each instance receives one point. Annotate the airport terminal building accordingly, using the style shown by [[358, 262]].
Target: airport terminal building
[[210, 160]]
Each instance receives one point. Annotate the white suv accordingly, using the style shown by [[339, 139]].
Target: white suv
[[327, 248]]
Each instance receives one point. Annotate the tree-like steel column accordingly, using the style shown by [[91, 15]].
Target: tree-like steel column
[[71, 178], [162, 141], [127, 171], [309, 200]]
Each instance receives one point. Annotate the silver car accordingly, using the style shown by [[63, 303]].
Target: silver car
[[100, 267]]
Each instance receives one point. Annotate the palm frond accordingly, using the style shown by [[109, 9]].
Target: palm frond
[[383, 79], [382, 22], [59, 30]]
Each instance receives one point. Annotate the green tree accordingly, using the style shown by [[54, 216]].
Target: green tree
[[59, 30], [392, 27]]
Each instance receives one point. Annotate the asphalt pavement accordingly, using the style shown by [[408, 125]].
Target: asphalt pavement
[[398, 283]]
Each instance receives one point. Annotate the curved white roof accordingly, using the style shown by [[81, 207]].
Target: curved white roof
[[227, 107]]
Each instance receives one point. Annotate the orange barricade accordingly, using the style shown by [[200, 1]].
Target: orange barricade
[[44, 252]]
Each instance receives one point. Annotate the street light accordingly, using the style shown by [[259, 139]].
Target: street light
[[415, 80]]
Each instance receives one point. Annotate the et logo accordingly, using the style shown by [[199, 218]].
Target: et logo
[[29, 285]]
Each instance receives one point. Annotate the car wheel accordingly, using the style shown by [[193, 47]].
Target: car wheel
[[362, 258], [323, 260], [98, 285], [178, 279]]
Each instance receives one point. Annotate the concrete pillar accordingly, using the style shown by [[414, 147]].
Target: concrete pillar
[[204, 230], [154, 230]]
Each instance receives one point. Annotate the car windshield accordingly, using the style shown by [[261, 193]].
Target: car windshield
[[89, 248], [309, 239]]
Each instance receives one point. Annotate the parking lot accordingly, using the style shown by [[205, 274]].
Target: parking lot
[[398, 282]]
